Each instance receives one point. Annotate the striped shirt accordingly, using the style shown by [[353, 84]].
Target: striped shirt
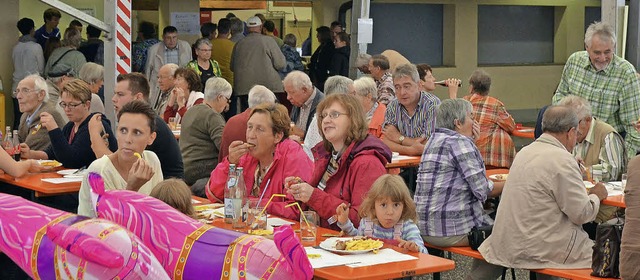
[[614, 93], [423, 121], [611, 154], [410, 232], [452, 185], [494, 143]]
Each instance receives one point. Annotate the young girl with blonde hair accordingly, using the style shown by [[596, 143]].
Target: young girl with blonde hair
[[176, 194], [388, 212]]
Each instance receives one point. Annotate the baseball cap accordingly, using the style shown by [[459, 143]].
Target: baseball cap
[[60, 70], [254, 21]]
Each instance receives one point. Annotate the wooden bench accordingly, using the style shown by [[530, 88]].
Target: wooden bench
[[574, 274]]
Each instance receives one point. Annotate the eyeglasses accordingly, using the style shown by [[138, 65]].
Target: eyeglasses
[[333, 115], [204, 50], [24, 90], [227, 98], [70, 105]]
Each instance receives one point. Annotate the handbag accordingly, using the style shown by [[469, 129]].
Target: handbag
[[477, 235], [606, 250]]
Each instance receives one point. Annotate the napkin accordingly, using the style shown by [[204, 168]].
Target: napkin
[[62, 180]]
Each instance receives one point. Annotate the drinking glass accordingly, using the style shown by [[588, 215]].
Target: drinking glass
[[308, 228], [254, 219], [624, 181], [172, 123]]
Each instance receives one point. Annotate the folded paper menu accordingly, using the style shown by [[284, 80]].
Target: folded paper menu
[[62, 180]]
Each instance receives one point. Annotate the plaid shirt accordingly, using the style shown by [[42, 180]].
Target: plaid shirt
[[495, 144], [452, 185], [386, 90], [423, 121], [614, 93]]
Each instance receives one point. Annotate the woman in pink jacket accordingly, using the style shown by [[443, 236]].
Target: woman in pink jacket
[[347, 161], [268, 157]]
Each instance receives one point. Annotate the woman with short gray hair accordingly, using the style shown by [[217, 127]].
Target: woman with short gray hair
[[93, 74], [67, 53], [204, 65], [493, 142], [452, 184], [367, 94], [201, 133]]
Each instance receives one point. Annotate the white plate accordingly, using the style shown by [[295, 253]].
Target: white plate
[[588, 184], [498, 177], [395, 154], [330, 245], [67, 171]]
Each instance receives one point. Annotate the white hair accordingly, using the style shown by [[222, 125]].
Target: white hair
[[601, 29], [366, 86], [298, 80], [91, 73], [450, 110], [39, 84], [216, 86], [337, 84], [579, 104], [260, 94]]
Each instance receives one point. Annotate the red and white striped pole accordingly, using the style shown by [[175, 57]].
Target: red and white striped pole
[[123, 36]]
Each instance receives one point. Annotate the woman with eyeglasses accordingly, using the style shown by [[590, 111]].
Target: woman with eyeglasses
[[204, 66], [268, 157], [347, 161], [71, 145], [201, 134], [184, 95]]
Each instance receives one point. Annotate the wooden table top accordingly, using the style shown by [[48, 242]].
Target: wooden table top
[[33, 181], [524, 132], [423, 265]]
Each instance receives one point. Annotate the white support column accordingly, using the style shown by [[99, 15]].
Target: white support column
[[612, 13], [360, 9], [117, 41]]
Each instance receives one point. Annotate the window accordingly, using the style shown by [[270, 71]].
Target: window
[[417, 34], [515, 34]]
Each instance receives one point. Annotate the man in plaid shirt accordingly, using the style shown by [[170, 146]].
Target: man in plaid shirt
[[607, 81]]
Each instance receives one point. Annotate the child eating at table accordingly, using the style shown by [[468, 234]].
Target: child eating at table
[[388, 212], [176, 194]]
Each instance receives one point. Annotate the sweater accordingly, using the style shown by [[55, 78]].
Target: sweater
[[113, 181], [166, 148], [78, 154], [200, 138]]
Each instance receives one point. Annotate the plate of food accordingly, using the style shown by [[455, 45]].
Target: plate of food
[[351, 245], [49, 163], [209, 212], [499, 177]]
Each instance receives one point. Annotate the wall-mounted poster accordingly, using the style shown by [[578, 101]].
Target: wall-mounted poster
[[186, 23]]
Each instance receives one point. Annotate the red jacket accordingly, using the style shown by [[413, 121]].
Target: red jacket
[[359, 166], [289, 160]]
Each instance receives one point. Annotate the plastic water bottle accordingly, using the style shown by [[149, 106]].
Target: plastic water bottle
[[229, 193], [240, 205]]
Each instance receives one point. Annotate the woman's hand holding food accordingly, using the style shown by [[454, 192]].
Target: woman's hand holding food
[[139, 174], [236, 150]]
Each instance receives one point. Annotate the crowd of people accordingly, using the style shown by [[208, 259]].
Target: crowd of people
[[329, 150]]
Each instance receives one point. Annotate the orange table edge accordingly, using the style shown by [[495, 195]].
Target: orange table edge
[[527, 133], [616, 200], [423, 265], [33, 181]]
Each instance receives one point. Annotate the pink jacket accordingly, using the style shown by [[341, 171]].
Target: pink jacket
[[359, 166], [289, 160]]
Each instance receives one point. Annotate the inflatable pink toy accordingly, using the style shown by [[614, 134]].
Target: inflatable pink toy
[[189, 249], [51, 244]]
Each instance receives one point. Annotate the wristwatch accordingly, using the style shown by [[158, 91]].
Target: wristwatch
[[401, 138]]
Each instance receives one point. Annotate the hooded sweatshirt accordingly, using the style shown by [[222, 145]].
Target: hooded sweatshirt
[[358, 167]]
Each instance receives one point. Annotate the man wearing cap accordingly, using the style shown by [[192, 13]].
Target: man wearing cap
[[256, 60], [59, 75], [170, 50], [27, 58]]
